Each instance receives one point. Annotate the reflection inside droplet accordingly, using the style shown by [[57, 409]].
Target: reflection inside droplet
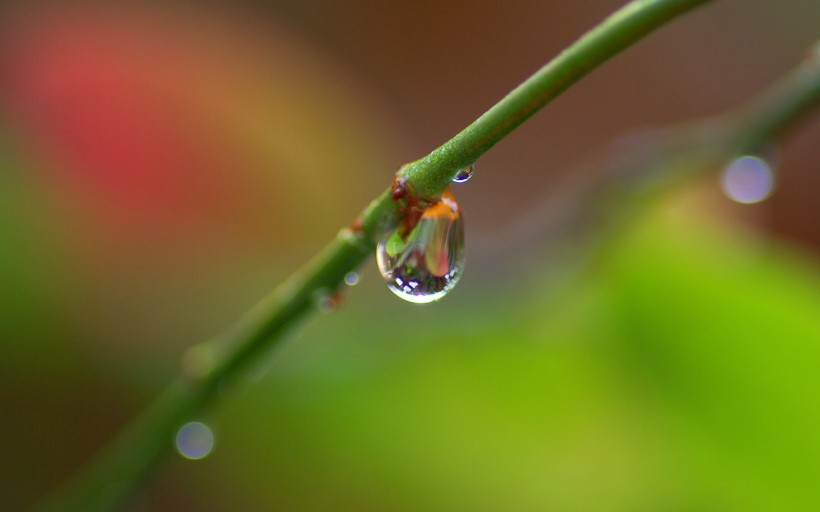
[[426, 264], [194, 440], [748, 179]]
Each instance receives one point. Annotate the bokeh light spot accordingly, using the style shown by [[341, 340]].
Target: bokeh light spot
[[194, 440], [747, 180], [352, 279]]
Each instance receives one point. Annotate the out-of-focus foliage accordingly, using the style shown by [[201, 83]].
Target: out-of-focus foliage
[[678, 373]]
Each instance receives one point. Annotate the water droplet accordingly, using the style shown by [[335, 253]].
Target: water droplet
[[352, 279], [327, 301], [427, 263], [194, 440], [748, 179], [464, 174]]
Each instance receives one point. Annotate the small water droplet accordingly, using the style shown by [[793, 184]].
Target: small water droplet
[[464, 174], [194, 440], [326, 301], [748, 180], [427, 263], [352, 279]]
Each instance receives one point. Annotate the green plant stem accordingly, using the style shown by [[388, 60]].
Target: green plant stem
[[616, 186], [429, 176], [111, 476], [780, 106]]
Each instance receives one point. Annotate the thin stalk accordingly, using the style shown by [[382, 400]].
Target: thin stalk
[[107, 479], [615, 186], [430, 175]]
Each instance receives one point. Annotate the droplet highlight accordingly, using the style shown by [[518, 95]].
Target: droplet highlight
[[747, 180], [194, 440], [464, 174], [426, 264]]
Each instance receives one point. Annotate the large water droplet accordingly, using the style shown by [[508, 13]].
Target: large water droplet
[[464, 174], [427, 263]]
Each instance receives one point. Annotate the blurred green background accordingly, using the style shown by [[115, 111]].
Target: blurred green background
[[163, 166]]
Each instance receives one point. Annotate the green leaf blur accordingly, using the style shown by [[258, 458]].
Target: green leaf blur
[[678, 374]]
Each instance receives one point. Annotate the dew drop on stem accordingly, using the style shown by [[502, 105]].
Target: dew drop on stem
[[426, 264], [465, 174], [327, 301]]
